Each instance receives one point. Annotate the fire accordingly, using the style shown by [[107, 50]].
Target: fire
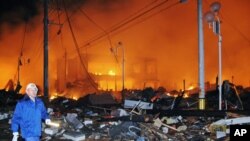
[[186, 95], [168, 94], [98, 73], [143, 40], [52, 97], [191, 88], [74, 97], [111, 73]]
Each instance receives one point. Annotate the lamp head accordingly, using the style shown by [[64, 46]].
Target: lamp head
[[209, 17], [215, 7], [183, 1]]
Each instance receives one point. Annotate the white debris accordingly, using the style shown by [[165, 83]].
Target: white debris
[[140, 104], [50, 131], [97, 136], [119, 113], [172, 120], [88, 122], [182, 128], [157, 123], [232, 121], [50, 110], [220, 134], [102, 125], [73, 121], [165, 130], [65, 101], [3, 116], [75, 136]]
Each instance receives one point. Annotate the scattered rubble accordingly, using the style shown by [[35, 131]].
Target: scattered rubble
[[101, 117]]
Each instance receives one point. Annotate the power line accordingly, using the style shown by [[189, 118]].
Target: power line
[[51, 38], [21, 52], [137, 12], [91, 20], [149, 16], [78, 51], [237, 29], [23, 39], [104, 31], [137, 15], [122, 24], [61, 39]]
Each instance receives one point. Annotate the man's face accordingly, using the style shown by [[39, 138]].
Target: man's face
[[31, 92]]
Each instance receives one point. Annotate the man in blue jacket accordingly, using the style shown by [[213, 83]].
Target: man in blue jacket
[[28, 116]]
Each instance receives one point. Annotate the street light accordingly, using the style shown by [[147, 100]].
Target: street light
[[212, 18]]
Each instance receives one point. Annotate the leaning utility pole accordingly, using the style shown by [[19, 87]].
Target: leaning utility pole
[[45, 47], [201, 57]]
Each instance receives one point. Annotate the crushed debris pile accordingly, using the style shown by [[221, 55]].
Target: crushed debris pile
[[101, 117]]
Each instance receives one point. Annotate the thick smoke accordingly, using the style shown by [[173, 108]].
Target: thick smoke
[[15, 12]]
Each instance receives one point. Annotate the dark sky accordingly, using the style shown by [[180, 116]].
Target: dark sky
[[169, 35]]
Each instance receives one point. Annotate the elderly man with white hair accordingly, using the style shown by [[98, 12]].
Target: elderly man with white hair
[[28, 115]]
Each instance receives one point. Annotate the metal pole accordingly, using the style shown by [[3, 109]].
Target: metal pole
[[220, 64], [201, 57], [115, 79], [46, 58], [123, 66], [184, 85], [18, 70]]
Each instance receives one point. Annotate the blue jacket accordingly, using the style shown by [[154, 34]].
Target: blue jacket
[[28, 115]]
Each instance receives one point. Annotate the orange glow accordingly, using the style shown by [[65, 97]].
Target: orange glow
[[52, 97], [191, 87], [75, 98], [112, 84], [168, 94], [111, 73], [186, 95], [98, 73], [159, 51]]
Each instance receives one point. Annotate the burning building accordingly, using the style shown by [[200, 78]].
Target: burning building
[[160, 44]]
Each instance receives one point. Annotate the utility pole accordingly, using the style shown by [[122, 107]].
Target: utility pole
[[123, 61], [18, 70], [184, 85], [123, 65], [201, 57], [46, 55]]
